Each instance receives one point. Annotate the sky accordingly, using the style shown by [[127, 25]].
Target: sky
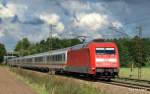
[[71, 18]]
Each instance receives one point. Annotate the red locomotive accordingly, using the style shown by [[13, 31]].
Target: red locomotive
[[96, 59], [100, 59]]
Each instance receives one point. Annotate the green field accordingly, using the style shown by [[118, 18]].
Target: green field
[[125, 72]]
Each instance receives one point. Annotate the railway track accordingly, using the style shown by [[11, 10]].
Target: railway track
[[130, 85], [142, 85], [134, 80]]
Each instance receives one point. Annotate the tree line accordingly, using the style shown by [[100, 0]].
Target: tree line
[[2, 52], [25, 47], [134, 51], [131, 50]]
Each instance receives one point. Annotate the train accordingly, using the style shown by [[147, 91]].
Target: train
[[95, 59]]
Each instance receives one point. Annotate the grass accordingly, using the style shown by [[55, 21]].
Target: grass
[[45, 84], [1, 65], [125, 72]]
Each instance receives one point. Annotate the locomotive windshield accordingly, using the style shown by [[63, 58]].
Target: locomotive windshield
[[105, 50]]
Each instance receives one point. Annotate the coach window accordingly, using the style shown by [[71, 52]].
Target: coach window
[[41, 59], [48, 58], [36, 59], [53, 58], [60, 57], [63, 57], [29, 60], [56, 57], [23, 60]]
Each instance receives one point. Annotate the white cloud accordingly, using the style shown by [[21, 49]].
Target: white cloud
[[53, 19], [8, 11], [12, 9], [1, 34], [92, 21], [75, 16], [75, 6], [117, 24], [50, 19], [60, 27]]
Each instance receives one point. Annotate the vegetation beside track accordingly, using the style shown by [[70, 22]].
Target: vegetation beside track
[[49, 84], [126, 72]]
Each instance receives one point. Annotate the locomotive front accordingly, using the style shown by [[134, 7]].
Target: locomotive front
[[104, 59]]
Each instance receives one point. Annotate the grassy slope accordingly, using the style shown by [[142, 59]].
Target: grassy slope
[[125, 72], [54, 85]]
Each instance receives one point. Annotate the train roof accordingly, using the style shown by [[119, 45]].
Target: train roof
[[84, 45], [59, 51]]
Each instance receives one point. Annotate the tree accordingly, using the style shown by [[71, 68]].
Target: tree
[[2, 52], [23, 47], [137, 52], [146, 52], [123, 46], [124, 53]]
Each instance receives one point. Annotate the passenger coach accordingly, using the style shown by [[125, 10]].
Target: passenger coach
[[96, 59]]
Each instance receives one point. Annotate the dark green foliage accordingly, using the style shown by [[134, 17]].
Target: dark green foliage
[[2, 52], [133, 50], [25, 47], [137, 51], [123, 46]]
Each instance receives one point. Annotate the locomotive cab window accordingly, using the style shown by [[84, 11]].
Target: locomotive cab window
[[105, 51], [110, 50], [100, 50]]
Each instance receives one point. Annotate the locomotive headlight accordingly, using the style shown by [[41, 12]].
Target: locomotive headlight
[[93, 68]]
